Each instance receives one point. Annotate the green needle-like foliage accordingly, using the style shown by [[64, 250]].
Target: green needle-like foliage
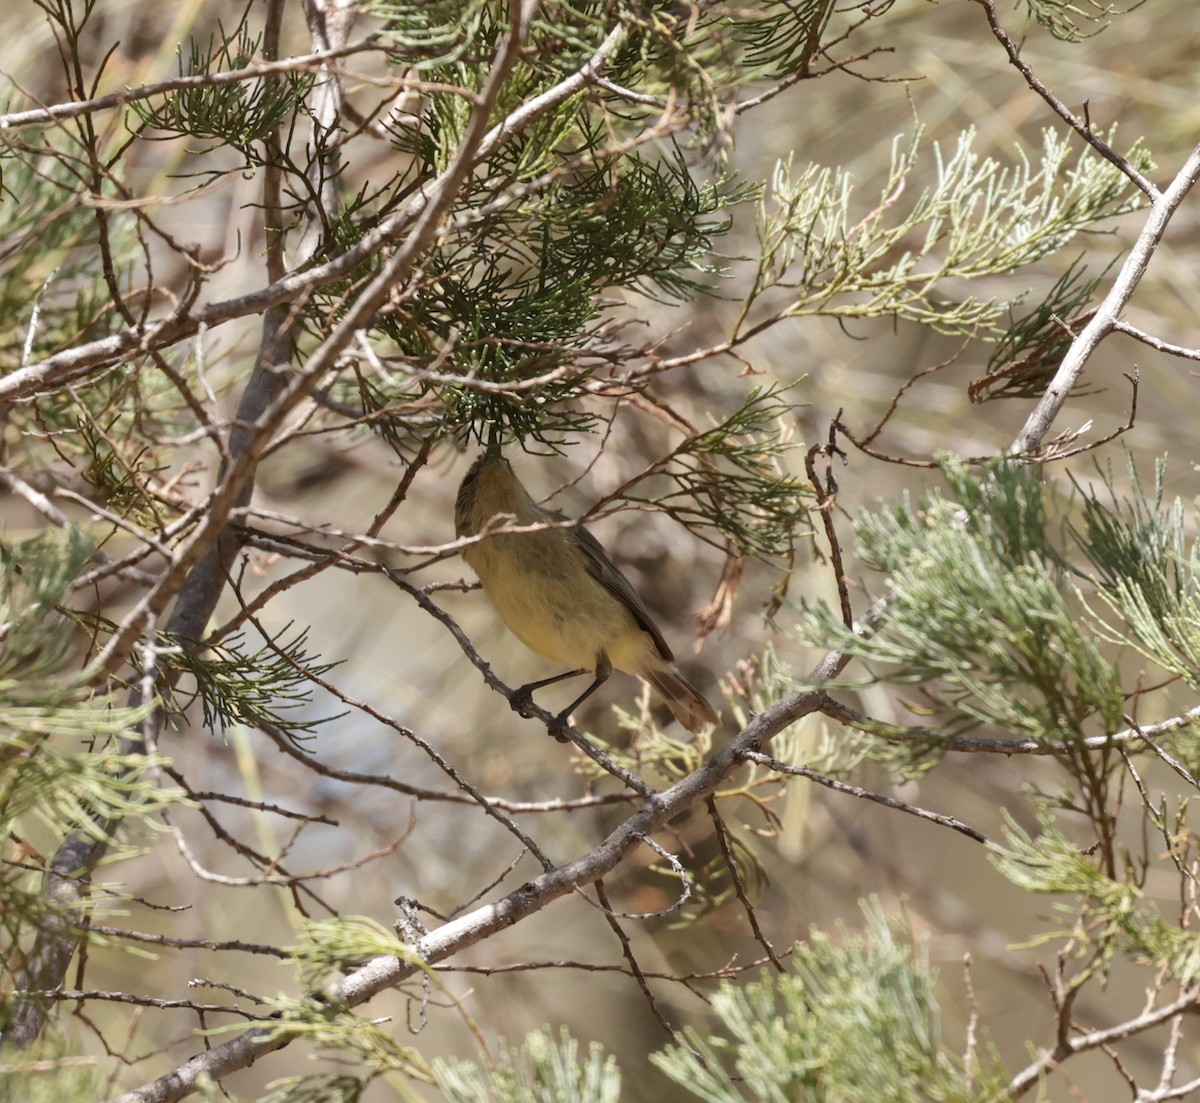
[[979, 218], [50, 287], [785, 36], [429, 35], [984, 613], [728, 484], [512, 301], [1029, 351], [330, 945], [49, 1073], [542, 1070], [241, 115], [1075, 20], [354, 1037], [237, 686], [853, 1019], [1147, 565], [61, 759], [1097, 912]]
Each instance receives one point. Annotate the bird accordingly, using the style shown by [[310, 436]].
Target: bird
[[559, 593]]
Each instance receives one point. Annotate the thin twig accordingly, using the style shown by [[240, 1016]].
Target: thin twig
[[983, 745], [731, 863], [634, 967], [1156, 342], [1081, 1043], [1082, 127], [866, 794], [39, 116]]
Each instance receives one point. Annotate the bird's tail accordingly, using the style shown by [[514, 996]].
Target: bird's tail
[[688, 704]]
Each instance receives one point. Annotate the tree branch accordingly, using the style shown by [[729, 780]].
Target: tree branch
[[1028, 1077], [1104, 320]]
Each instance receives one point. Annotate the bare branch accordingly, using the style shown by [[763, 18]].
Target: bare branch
[[1103, 321], [76, 108], [1081, 1043], [865, 794], [1082, 127]]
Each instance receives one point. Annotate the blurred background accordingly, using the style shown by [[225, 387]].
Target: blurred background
[[936, 66]]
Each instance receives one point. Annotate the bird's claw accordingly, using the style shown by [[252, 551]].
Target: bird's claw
[[522, 702], [558, 728]]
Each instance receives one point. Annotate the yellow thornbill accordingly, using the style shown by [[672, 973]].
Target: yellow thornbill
[[559, 593]]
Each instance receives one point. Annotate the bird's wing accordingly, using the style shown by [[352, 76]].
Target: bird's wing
[[605, 572]]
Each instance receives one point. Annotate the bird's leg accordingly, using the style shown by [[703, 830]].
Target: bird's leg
[[523, 697], [559, 724]]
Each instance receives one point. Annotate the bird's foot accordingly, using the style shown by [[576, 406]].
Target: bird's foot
[[522, 704], [522, 701], [559, 725]]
